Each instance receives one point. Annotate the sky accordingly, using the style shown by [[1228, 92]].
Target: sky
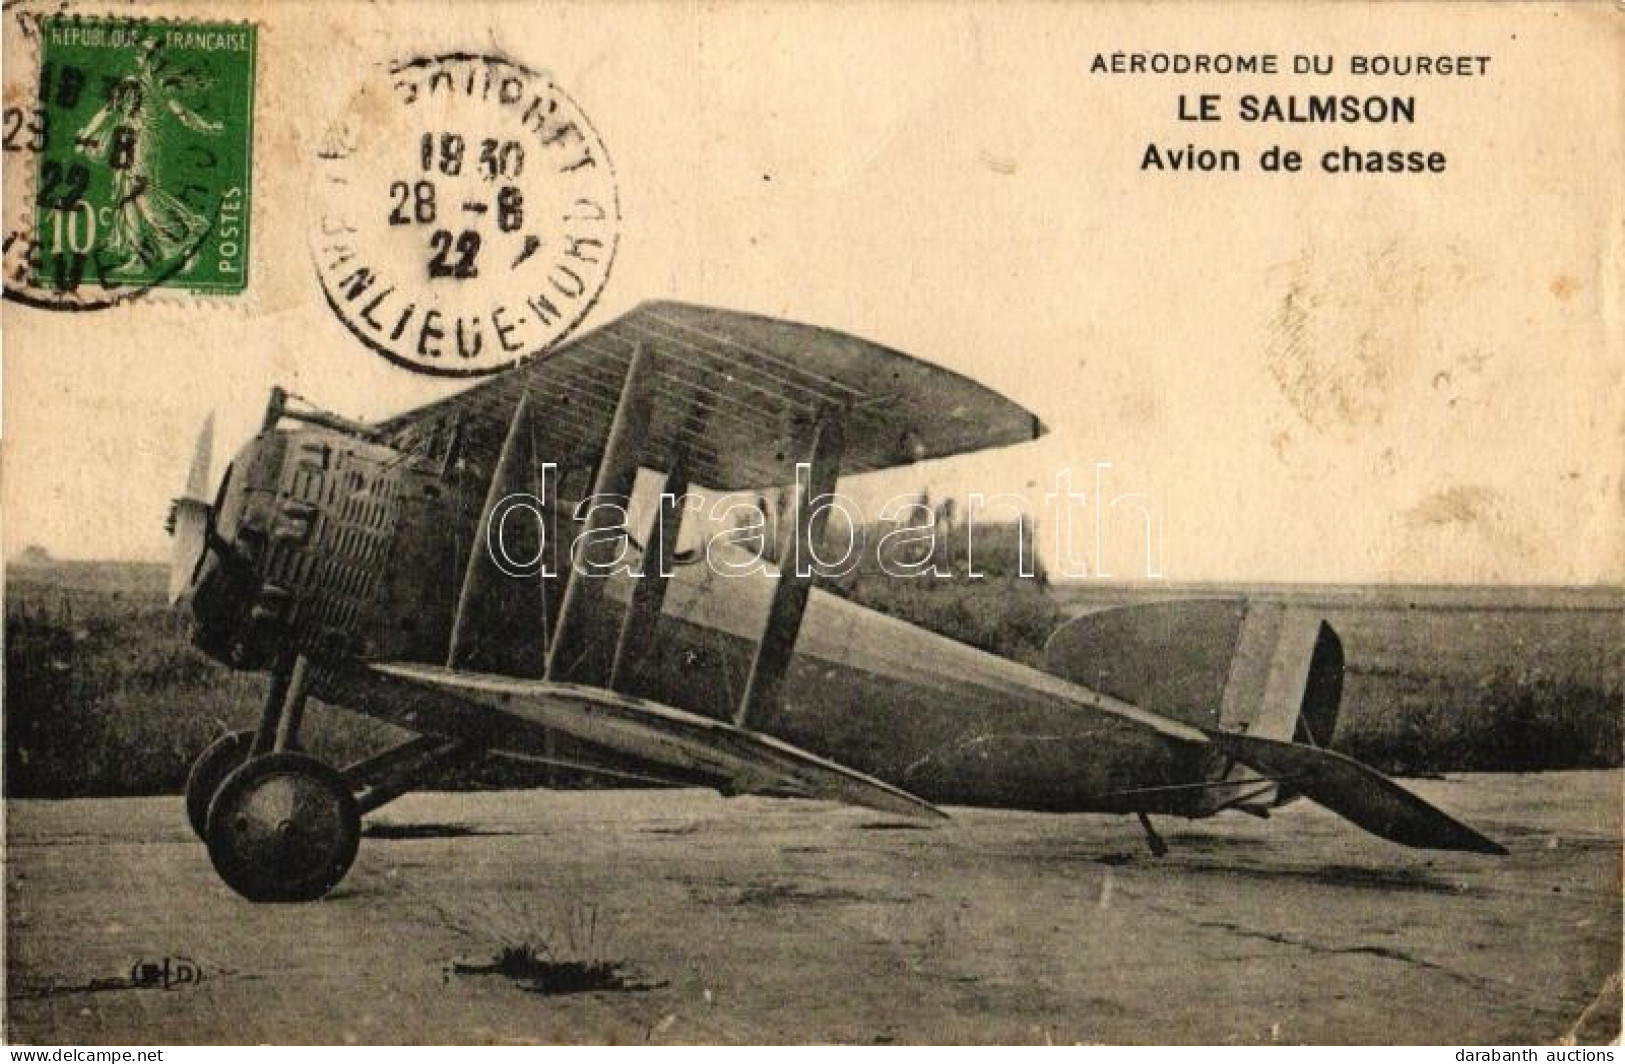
[[1306, 377]]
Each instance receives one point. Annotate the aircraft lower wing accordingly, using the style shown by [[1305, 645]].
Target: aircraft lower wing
[[737, 760], [1356, 792]]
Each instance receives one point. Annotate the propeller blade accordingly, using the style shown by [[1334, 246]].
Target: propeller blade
[[197, 477], [189, 516]]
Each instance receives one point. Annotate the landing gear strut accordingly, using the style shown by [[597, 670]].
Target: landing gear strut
[[281, 825], [221, 757], [1152, 839]]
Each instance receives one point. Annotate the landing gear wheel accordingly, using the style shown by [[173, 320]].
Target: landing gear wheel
[[211, 768], [283, 827]]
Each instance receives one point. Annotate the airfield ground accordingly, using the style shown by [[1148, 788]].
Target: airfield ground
[[749, 920]]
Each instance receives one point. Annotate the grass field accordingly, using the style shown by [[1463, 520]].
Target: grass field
[[103, 695]]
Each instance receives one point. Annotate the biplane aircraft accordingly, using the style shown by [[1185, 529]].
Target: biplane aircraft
[[352, 562]]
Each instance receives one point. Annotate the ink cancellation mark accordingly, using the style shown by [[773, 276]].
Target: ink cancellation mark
[[464, 215]]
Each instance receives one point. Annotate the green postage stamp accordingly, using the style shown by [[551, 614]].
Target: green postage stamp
[[143, 180]]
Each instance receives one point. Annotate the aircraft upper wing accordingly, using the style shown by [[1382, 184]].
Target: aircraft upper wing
[[739, 392]]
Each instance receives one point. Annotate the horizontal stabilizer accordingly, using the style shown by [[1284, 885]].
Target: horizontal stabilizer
[[1356, 792], [737, 760]]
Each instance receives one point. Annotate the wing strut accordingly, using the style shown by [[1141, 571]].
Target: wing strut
[[649, 590], [659, 555], [575, 656], [795, 574], [510, 464]]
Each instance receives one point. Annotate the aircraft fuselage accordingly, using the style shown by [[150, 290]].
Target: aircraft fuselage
[[346, 549]]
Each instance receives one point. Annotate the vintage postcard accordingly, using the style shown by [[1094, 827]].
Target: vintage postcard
[[856, 523]]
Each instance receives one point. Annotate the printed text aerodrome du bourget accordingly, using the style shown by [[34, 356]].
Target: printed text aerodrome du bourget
[[1375, 103]]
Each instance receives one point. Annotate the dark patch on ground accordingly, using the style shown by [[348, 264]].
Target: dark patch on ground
[[1060, 851], [894, 825], [534, 971], [770, 894], [1408, 880], [425, 831], [95, 986], [1385, 952], [1203, 841], [673, 829]]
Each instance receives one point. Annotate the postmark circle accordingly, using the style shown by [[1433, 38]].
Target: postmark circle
[[464, 214]]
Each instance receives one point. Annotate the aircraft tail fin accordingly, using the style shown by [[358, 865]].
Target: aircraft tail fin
[[1285, 684], [1356, 792], [1286, 677]]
